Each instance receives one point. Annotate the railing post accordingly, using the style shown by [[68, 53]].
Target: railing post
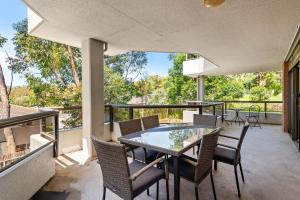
[[56, 136], [222, 112], [214, 110], [265, 109], [111, 118], [130, 113], [200, 110], [225, 107]]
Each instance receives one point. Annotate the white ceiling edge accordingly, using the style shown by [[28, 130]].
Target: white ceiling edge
[[197, 67], [250, 55], [39, 27]]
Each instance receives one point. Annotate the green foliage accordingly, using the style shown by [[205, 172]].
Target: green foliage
[[223, 88], [20, 96], [262, 85], [260, 93], [116, 89], [150, 89], [2, 41], [130, 65], [49, 58], [179, 88]]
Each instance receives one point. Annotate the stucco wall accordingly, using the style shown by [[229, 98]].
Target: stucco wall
[[70, 140]]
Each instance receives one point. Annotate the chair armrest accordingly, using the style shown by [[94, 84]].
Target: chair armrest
[[128, 149], [227, 136], [144, 169], [227, 146], [189, 161]]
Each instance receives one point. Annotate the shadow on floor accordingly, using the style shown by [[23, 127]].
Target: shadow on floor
[[50, 195]]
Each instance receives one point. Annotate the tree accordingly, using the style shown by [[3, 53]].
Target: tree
[[223, 88], [260, 93], [3, 88], [147, 87], [262, 85], [4, 95], [52, 70], [116, 90], [179, 88], [130, 65]]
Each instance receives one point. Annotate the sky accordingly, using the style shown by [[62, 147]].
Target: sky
[[12, 11]]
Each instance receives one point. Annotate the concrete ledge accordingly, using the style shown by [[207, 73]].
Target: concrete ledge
[[24, 179]]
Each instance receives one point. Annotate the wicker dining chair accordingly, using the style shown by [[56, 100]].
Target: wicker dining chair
[[150, 122], [205, 120], [196, 170], [231, 155], [138, 153], [127, 180]]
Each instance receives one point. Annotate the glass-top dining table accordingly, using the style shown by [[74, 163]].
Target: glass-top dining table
[[173, 139]]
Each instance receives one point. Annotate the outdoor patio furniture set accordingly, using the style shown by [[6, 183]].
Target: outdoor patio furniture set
[[252, 117], [157, 150]]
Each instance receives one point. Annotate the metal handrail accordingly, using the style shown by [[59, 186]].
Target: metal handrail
[[26, 118], [190, 104], [4, 123]]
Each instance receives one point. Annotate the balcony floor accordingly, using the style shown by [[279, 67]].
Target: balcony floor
[[270, 160]]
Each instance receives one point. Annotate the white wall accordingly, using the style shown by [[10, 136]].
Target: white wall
[[23, 180], [70, 140]]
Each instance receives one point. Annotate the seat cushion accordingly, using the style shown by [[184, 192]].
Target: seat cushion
[[140, 154], [145, 180], [187, 170], [225, 155]]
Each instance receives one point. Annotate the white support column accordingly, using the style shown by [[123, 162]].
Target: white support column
[[200, 88], [92, 93]]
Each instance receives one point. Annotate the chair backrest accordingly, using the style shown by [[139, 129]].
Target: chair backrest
[[114, 166], [130, 126], [209, 120], [150, 122], [254, 110], [206, 154], [243, 134]]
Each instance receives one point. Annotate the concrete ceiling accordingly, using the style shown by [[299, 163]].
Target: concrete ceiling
[[239, 36]]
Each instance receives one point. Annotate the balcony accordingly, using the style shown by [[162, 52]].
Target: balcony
[[270, 161], [57, 160]]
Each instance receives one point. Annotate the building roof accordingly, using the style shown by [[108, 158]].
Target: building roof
[[16, 110], [239, 36]]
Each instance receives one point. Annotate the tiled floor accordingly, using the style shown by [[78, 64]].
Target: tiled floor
[[271, 165]]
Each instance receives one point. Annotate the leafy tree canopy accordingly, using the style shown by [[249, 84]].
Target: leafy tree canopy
[[179, 88], [130, 65]]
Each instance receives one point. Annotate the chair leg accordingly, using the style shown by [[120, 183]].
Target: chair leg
[[213, 185], [148, 193], [104, 193], [215, 165], [242, 174], [157, 190], [237, 181], [193, 150], [196, 193], [133, 155], [167, 189]]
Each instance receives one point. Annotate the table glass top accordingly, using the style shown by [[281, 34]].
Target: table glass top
[[172, 137]]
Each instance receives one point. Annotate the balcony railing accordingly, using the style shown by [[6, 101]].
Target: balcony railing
[[21, 125], [115, 112]]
